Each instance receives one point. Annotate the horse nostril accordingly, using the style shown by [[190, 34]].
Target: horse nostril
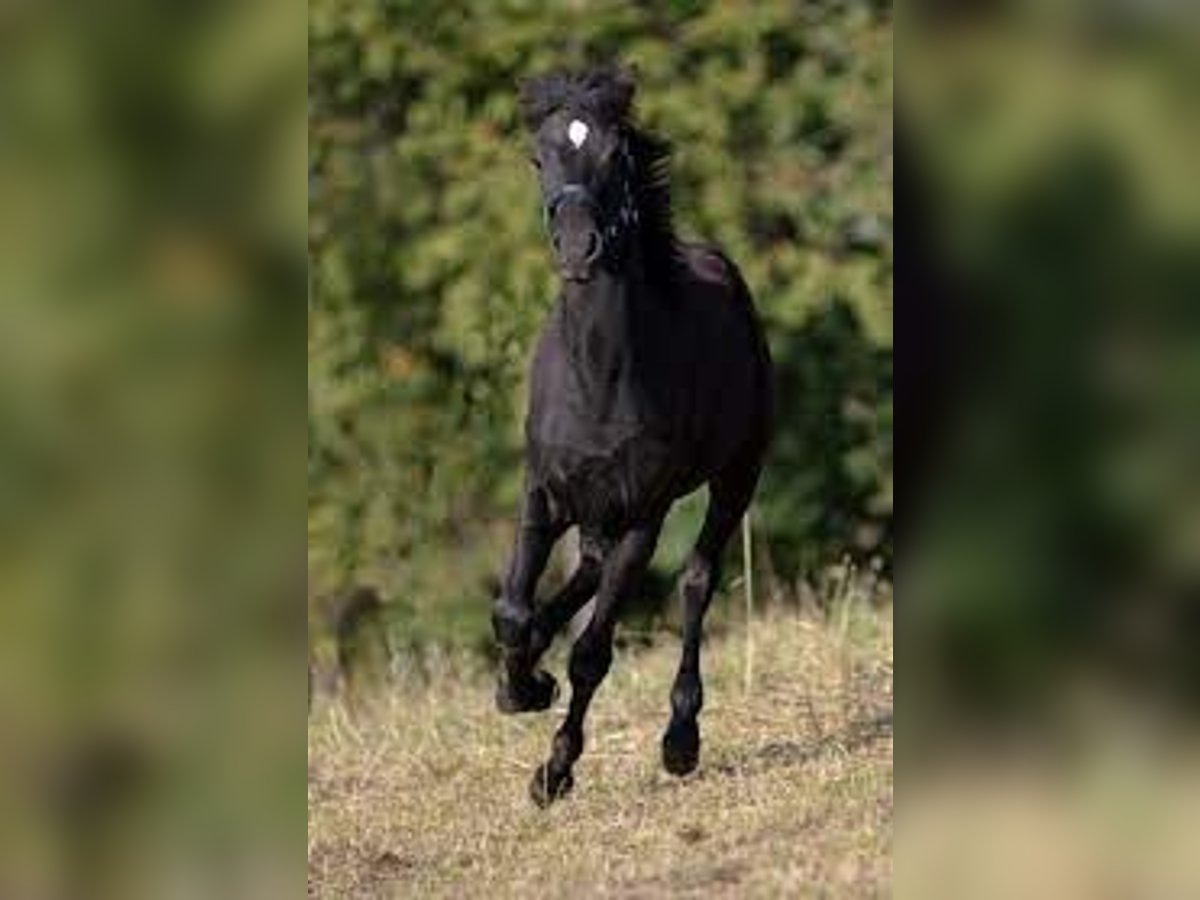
[[593, 249]]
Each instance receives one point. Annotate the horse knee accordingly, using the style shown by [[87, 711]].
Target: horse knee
[[698, 577]]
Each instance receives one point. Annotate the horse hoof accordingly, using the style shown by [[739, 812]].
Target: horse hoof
[[681, 748], [532, 694], [545, 789]]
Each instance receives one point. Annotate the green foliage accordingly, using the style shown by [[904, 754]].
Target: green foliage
[[430, 276]]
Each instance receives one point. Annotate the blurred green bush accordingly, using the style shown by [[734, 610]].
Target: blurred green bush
[[1056, 532], [152, 223], [429, 274]]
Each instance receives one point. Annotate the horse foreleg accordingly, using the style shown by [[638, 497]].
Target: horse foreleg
[[521, 687], [591, 657]]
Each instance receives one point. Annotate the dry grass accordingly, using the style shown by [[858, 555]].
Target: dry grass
[[425, 794]]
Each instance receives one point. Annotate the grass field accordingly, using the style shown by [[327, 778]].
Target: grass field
[[424, 793]]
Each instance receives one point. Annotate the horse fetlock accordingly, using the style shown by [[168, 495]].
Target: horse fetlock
[[550, 783], [511, 623], [540, 639], [566, 748]]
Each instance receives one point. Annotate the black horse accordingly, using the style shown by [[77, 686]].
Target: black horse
[[650, 378]]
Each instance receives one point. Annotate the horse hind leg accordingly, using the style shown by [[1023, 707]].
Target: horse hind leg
[[729, 496]]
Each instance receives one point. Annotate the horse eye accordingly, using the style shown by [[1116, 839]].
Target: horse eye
[[537, 163]]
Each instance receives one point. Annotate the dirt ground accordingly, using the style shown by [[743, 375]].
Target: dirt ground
[[424, 792]]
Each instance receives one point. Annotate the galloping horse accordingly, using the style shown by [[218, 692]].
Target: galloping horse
[[651, 377]]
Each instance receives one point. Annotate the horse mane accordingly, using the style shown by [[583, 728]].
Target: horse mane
[[606, 93], [652, 191]]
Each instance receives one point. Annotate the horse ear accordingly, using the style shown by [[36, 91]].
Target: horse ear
[[538, 96], [613, 88]]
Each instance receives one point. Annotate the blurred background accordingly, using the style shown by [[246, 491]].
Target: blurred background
[[1049, 551], [430, 276], [155, 201], [1055, 523], [152, 216]]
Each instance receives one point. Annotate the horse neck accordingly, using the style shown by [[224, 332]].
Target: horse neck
[[599, 321]]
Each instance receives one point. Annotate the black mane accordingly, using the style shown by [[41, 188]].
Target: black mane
[[652, 168]]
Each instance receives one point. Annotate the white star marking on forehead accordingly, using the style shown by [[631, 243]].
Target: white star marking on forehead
[[577, 133]]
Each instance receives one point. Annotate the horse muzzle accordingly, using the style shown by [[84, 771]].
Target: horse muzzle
[[574, 233]]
